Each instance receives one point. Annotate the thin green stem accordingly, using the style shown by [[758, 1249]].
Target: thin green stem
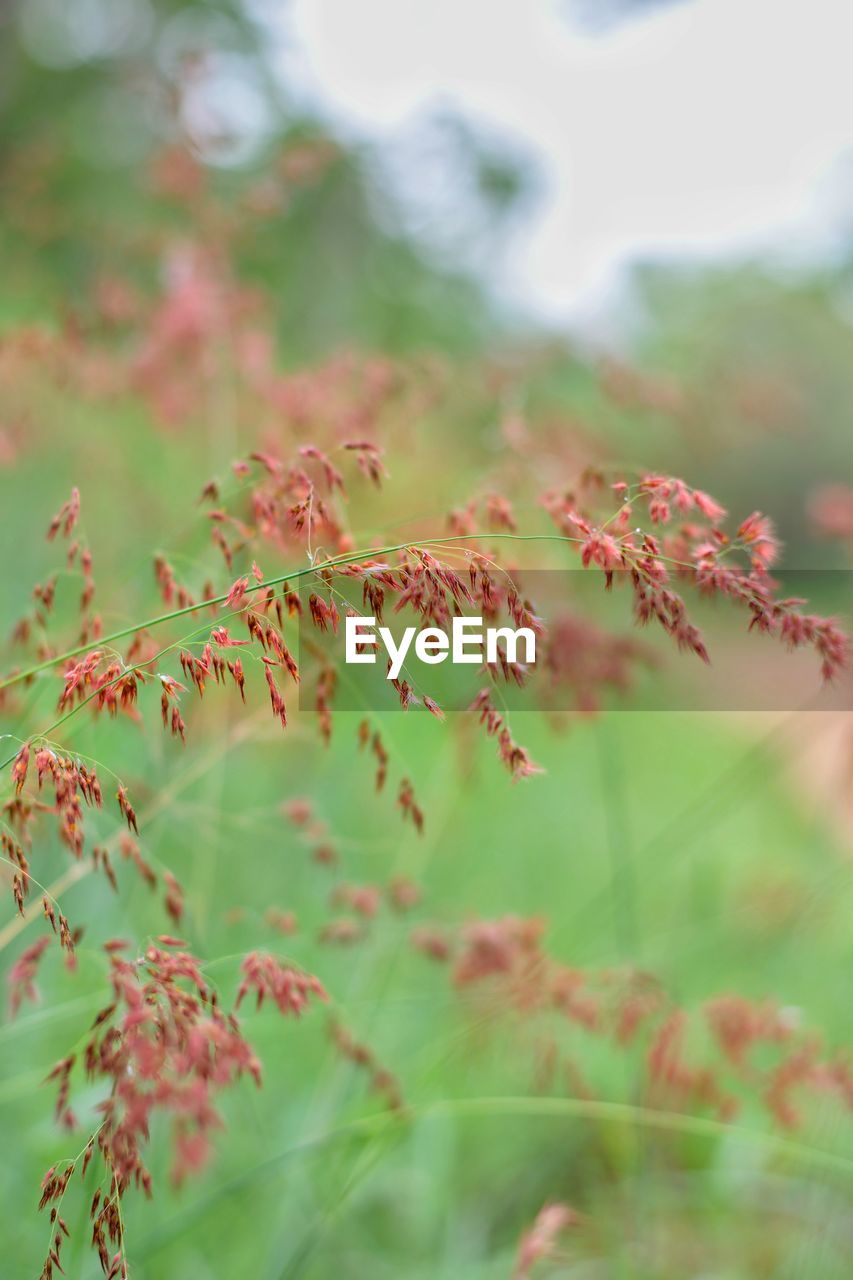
[[580, 1109]]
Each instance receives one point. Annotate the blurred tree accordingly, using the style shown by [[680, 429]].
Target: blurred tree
[[766, 358], [95, 93]]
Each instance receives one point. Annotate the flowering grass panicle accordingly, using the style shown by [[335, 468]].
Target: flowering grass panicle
[[256, 622]]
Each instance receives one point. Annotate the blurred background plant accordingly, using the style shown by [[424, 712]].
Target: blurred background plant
[[197, 258]]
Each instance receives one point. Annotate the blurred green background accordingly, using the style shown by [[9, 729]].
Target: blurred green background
[[712, 850]]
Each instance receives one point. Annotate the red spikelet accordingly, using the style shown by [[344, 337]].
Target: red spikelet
[[127, 810], [20, 767], [408, 804], [174, 900], [22, 975], [276, 698], [66, 517], [236, 668], [237, 593]]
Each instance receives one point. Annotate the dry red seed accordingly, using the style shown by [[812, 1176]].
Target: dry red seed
[[66, 517], [541, 1240], [126, 809]]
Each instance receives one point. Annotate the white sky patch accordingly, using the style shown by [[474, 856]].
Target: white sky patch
[[711, 127]]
